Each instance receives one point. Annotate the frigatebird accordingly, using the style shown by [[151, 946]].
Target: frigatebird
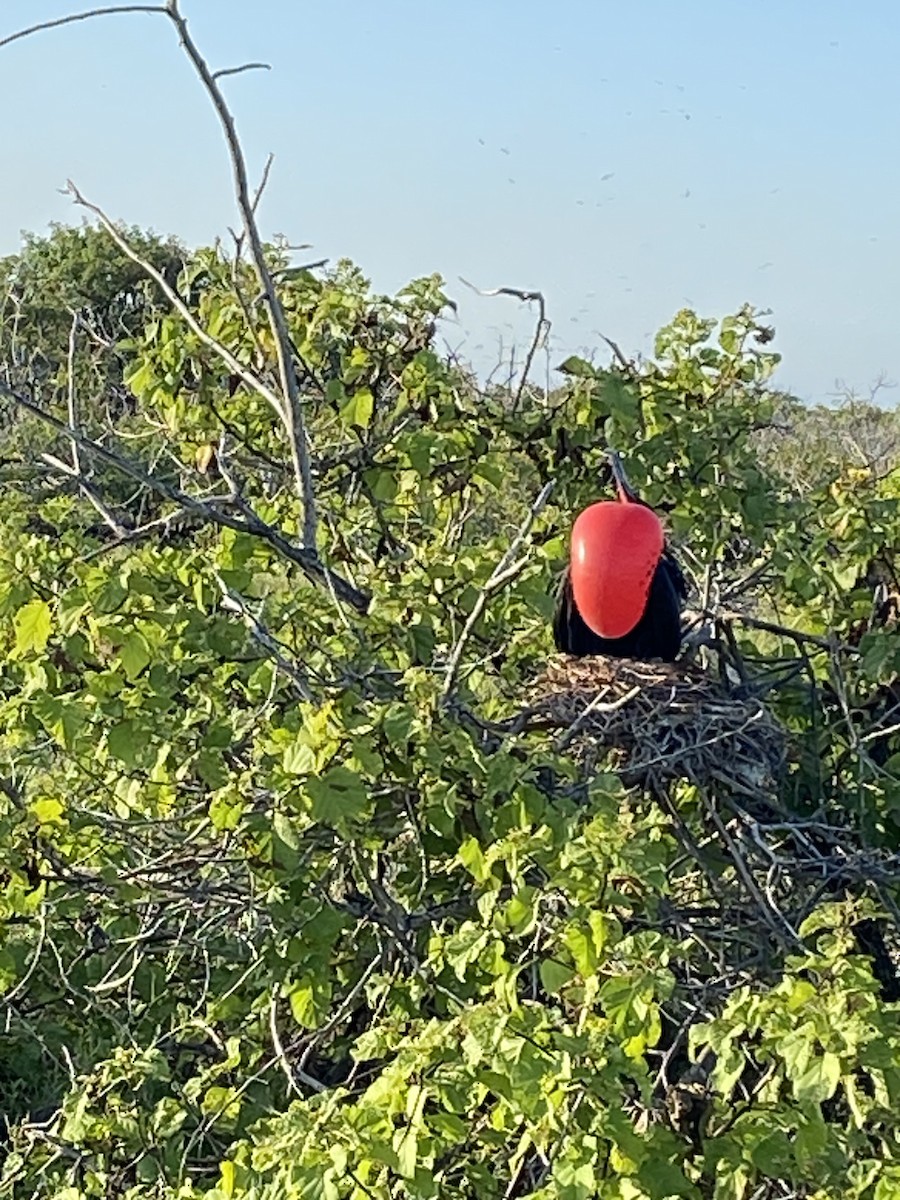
[[622, 591]]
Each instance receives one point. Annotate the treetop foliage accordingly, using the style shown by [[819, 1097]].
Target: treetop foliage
[[290, 908], [297, 897]]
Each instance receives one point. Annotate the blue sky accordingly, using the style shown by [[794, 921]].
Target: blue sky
[[626, 159]]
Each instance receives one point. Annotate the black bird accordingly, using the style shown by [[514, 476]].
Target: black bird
[[656, 633]]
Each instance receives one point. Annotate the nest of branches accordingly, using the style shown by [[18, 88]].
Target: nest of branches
[[659, 722]]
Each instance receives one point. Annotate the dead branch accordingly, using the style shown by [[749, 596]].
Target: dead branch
[[88, 491], [234, 365], [541, 330], [208, 511], [290, 411], [293, 412], [251, 66], [113, 10]]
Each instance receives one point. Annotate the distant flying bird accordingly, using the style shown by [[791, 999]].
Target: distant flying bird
[[622, 592]]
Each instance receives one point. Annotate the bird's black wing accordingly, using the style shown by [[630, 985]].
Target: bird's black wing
[[656, 635], [671, 565], [570, 633]]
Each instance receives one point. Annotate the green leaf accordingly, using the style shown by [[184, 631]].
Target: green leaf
[[398, 722], [619, 397], [580, 944], [122, 742], [888, 1187], [309, 1000], [472, 858], [299, 759], [577, 367], [63, 717], [33, 625], [573, 1180], [554, 975], [796, 1048], [730, 1063], [48, 810], [225, 810], [664, 1179], [134, 655], [222, 1102], [8, 973], [820, 1080], [358, 408], [338, 797]]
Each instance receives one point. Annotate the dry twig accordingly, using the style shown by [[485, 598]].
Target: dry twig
[[542, 328], [506, 570]]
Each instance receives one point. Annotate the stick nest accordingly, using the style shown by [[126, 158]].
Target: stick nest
[[659, 722]]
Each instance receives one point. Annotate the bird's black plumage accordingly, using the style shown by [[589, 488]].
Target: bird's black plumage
[[656, 635]]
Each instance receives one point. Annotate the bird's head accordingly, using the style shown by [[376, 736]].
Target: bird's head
[[624, 490]]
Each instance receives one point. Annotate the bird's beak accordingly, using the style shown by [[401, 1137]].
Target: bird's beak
[[623, 487]]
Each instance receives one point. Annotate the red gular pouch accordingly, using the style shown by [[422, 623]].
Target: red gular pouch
[[616, 547]]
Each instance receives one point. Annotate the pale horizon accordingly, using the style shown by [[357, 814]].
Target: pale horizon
[[626, 163]]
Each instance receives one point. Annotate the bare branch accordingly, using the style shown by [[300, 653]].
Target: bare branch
[[251, 66], [74, 471], [88, 491], [795, 635], [234, 364], [293, 412], [291, 1074], [70, 388], [250, 523], [506, 569], [273, 648], [82, 16], [261, 186], [540, 332], [617, 353]]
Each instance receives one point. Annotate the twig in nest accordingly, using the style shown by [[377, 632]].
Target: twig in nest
[[595, 707], [661, 722]]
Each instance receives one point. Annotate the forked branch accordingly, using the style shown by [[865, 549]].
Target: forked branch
[[289, 407], [505, 571], [293, 414]]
